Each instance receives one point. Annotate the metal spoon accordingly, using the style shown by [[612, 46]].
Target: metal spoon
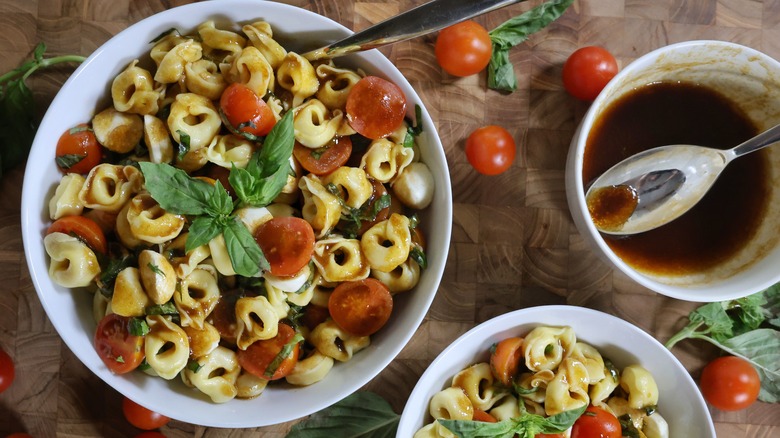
[[421, 20], [681, 176]]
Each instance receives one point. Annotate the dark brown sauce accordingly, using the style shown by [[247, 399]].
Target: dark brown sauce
[[610, 207], [678, 113]]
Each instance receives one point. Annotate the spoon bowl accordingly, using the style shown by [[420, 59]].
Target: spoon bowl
[[667, 181]]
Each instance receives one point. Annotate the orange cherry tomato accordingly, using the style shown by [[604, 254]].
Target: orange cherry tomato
[[596, 423], [375, 107], [324, 160], [464, 49], [84, 228], [7, 371], [78, 151], [142, 417], [587, 72], [287, 243], [257, 358], [120, 350], [480, 415], [246, 111], [361, 307], [490, 150], [730, 383], [505, 359]]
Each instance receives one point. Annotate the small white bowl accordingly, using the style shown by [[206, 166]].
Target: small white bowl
[[749, 79], [70, 311], [680, 402]]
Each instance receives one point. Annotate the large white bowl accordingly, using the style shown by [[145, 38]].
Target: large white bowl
[[70, 311], [680, 401], [749, 79]]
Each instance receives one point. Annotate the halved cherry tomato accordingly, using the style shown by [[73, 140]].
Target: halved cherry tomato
[[78, 151], [490, 149], [596, 423], [587, 72], [464, 49], [730, 383], [287, 243], [375, 107], [82, 227], [257, 358], [246, 111], [480, 415], [142, 417], [7, 371], [120, 350], [361, 307], [324, 160], [505, 359]]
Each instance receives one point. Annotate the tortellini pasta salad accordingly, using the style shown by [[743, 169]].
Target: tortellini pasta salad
[[232, 218], [552, 381]]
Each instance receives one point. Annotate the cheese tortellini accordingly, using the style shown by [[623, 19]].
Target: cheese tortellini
[[172, 266], [554, 372]]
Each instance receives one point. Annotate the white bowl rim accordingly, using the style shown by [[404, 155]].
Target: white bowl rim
[[679, 292], [222, 415], [507, 322]]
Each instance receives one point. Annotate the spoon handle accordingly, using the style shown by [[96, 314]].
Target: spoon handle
[[762, 140], [426, 18]]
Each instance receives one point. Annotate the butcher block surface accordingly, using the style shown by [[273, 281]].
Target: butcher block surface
[[513, 246]]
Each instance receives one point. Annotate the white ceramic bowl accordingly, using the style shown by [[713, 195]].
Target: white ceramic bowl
[[70, 311], [680, 402], [749, 79]]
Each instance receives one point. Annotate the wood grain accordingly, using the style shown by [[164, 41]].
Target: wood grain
[[512, 247]]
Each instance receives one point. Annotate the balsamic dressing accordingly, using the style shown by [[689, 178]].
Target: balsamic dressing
[[724, 220]]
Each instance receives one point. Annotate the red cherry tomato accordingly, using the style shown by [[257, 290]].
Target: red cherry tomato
[[246, 111], [78, 151], [141, 417], [326, 159], [480, 415], [587, 71], [505, 359], [549, 435], [120, 350], [84, 228], [375, 107], [377, 191], [361, 307], [7, 371], [490, 150], [287, 243], [596, 423], [257, 358], [463, 49], [730, 383]]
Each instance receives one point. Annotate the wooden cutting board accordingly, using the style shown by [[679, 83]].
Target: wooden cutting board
[[513, 244]]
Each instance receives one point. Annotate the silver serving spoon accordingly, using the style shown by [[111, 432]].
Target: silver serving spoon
[[421, 20], [661, 184]]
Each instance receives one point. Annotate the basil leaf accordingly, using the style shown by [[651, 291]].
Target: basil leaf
[[277, 147], [69, 160], [202, 230], [761, 347], [184, 144], [175, 191], [245, 254], [220, 203], [362, 414], [560, 422], [526, 425], [17, 124], [514, 31], [138, 327], [168, 308], [478, 429]]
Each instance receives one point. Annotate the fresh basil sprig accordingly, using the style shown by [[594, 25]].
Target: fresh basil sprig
[[362, 414], [501, 73], [18, 121], [266, 173], [527, 425], [747, 328]]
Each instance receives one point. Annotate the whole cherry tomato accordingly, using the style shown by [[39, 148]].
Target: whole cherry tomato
[[587, 72], [7, 371], [142, 417], [730, 383], [463, 49], [490, 150]]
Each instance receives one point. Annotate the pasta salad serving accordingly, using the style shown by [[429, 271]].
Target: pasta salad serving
[[547, 384], [240, 214]]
